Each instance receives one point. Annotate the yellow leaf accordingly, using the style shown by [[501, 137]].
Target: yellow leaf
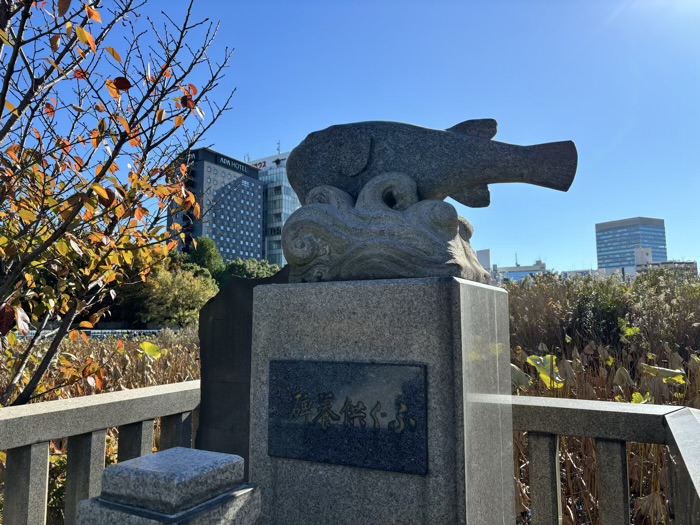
[[86, 324], [547, 368], [62, 247], [150, 349], [74, 335], [5, 38], [668, 375], [179, 121], [100, 190], [82, 35], [639, 399], [114, 54], [86, 38], [27, 215], [69, 29], [160, 115], [93, 14], [11, 108]]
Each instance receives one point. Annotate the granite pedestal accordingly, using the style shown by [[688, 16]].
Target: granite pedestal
[[363, 403]]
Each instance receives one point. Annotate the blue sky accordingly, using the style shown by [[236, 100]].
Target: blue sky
[[619, 78]]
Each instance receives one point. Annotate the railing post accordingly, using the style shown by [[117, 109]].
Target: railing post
[[135, 440], [26, 485], [86, 461], [613, 489], [545, 488], [176, 431]]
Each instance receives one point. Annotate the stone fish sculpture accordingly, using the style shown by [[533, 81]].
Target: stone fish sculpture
[[372, 195], [459, 162]]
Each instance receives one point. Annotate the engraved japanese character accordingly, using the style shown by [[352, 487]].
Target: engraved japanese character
[[353, 412], [374, 414], [302, 407], [325, 414], [402, 420]]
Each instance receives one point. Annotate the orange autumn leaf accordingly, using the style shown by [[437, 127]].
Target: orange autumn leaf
[[124, 123], [114, 54], [113, 91], [93, 14]]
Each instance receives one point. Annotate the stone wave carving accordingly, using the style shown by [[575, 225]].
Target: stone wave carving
[[387, 233]]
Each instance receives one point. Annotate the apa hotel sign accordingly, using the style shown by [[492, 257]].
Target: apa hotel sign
[[231, 164]]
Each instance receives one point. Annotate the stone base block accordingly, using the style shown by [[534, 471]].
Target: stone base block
[[179, 485], [365, 403]]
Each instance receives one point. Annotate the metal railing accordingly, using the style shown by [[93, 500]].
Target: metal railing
[[612, 425], [25, 433]]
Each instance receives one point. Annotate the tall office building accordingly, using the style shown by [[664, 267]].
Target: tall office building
[[231, 197], [621, 243], [280, 202]]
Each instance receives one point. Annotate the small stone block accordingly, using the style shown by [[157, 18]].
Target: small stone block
[[173, 480]]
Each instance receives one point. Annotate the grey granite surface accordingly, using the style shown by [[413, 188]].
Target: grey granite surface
[[389, 233], [457, 163], [482, 329], [434, 322], [243, 508], [225, 334], [172, 480], [372, 197]]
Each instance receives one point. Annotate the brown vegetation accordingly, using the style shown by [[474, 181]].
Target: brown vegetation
[[611, 340]]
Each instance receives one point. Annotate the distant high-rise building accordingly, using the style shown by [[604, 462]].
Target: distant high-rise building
[[231, 198], [518, 273], [620, 243], [280, 202], [484, 258]]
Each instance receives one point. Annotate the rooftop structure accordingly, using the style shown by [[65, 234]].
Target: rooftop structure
[[518, 273]]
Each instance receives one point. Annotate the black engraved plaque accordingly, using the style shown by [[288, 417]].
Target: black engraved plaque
[[368, 415]]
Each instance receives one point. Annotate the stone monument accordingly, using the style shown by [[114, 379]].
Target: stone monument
[[368, 368], [373, 191]]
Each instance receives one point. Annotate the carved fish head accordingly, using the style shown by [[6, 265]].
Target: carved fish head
[[348, 156]]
